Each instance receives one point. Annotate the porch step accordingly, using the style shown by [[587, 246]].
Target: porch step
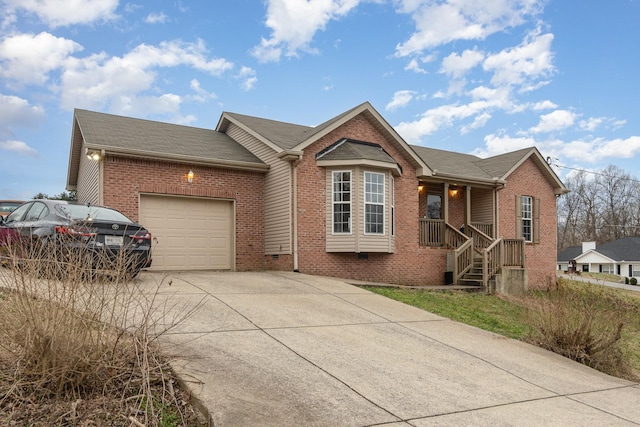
[[470, 282], [473, 277]]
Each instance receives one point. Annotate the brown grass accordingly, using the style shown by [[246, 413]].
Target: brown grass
[[585, 323], [79, 341]]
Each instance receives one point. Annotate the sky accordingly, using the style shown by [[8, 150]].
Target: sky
[[477, 77]]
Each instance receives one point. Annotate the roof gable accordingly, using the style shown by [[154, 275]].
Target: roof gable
[[503, 165], [494, 169], [594, 256], [289, 137]]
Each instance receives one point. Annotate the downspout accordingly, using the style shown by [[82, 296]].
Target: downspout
[[101, 177], [294, 172], [293, 157]]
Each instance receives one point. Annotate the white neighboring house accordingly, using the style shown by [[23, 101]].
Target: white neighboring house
[[620, 257]]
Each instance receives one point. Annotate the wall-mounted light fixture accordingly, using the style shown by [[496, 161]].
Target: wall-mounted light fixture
[[420, 188], [190, 177], [92, 154], [453, 192]]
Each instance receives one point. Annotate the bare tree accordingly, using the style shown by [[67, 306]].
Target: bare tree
[[600, 207]]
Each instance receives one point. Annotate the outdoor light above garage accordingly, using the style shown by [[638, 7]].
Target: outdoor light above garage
[[190, 177], [93, 155]]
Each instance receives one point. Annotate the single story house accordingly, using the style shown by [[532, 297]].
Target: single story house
[[347, 198], [621, 257]]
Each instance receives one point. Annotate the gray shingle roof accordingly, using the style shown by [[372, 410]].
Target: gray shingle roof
[[163, 139], [450, 163], [569, 253], [353, 150], [625, 249], [498, 166], [284, 135]]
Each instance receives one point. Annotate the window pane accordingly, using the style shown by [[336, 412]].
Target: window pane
[[527, 205], [374, 203], [434, 206], [341, 202]]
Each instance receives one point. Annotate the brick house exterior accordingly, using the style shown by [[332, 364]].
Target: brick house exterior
[[348, 198]]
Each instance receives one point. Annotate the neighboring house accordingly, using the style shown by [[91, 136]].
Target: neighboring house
[[347, 198], [621, 257]]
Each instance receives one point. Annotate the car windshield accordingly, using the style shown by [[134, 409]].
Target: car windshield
[[91, 213]]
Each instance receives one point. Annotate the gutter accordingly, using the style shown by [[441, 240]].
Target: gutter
[[233, 164]]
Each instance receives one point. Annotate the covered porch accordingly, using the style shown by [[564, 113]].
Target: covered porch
[[463, 219]]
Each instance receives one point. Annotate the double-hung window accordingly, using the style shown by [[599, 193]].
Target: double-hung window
[[527, 218], [342, 202], [373, 203]]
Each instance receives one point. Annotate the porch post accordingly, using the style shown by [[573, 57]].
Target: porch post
[[467, 208], [445, 203]]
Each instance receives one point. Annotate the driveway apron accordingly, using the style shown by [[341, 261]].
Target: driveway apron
[[288, 349]]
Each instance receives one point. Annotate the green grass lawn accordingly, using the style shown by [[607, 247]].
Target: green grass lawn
[[579, 304]]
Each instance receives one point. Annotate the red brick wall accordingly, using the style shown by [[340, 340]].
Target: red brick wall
[[125, 179], [528, 180], [409, 265], [456, 207]]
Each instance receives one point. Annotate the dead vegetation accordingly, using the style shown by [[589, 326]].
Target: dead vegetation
[[79, 344], [594, 325]]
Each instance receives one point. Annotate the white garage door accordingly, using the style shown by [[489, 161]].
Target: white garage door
[[191, 233]]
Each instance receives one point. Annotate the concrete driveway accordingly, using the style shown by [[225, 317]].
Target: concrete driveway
[[287, 349]]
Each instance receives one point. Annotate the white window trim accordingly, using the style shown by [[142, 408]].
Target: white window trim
[[350, 203], [365, 203], [528, 219], [392, 197]]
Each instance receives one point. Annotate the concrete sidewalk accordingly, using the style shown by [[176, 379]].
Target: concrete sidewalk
[[287, 349]]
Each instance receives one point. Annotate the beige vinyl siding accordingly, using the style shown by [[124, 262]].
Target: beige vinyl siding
[[482, 205], [277, 193], [89, 181], [358, 241]]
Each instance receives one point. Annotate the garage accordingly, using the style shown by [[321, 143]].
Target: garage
[[189, 233]]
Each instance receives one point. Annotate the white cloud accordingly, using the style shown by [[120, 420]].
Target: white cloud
[[18, 147], [496, 144], [29, 58], [543, 105], [156, 18], [591, 124], [57, 13], [554, 121], [441, 22], [202, 94], [294, 23], [479, 121], [457, 66], [16, 111], [437, 118], [600, 149], [415, 67], [523, 65], [99, 81], [248, 77], [400, 99]]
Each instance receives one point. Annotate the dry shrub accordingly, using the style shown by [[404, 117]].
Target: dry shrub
[[75, 326], [584, 323]]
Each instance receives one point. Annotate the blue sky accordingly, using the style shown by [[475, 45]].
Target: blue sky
[[480, 77]]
